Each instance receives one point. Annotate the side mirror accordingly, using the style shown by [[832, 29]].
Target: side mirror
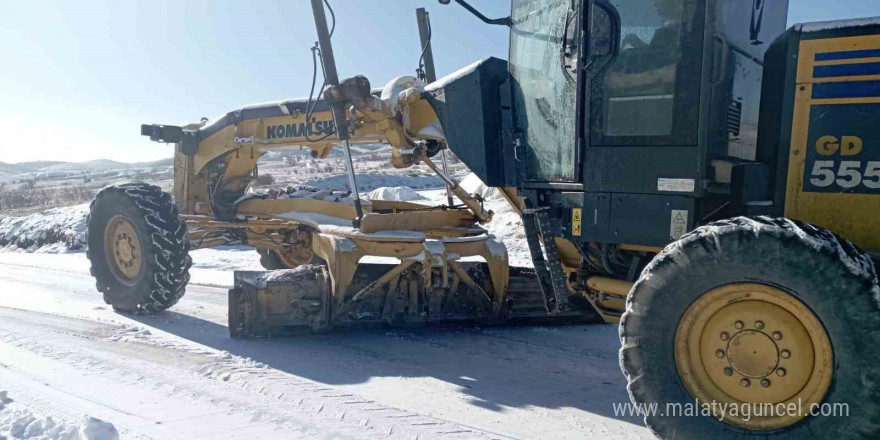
[[601, 38], [604, 44], [500, 21]]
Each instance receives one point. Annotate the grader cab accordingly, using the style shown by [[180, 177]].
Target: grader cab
[[709, 180]]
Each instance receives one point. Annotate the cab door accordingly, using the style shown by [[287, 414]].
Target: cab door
[[646, 94], [641, 104], [543, 63]]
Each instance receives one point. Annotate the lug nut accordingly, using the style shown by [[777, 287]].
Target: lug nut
[[777, 336], [725, 336], [759, 325], [785, 354], [765, 383], [738, 324], [745, 382], [780, 372], [719, 353], [728, 371]]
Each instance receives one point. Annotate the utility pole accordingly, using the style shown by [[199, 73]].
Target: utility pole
[[328, 63], [430, 76]]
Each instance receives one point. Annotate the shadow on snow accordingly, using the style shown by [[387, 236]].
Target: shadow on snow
[[574, 366]]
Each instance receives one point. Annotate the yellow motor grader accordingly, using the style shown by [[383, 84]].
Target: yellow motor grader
[[140, 236], [687, 168]]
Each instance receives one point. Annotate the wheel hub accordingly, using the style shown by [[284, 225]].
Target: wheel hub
[[752, 354], [756, 345], [123, 249]]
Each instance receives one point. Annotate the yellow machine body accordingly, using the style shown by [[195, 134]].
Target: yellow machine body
[[834, 159]]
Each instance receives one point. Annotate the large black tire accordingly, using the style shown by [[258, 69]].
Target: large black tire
[[835, 280], [164, 250]]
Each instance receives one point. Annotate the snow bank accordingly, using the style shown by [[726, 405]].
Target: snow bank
[[18, 422], [96, 429], [224, 257], [369, 182], [55, 230], [473, 185], [507, 226], [394, 193]]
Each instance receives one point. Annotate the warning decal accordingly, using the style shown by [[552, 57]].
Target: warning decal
[[678, 223]]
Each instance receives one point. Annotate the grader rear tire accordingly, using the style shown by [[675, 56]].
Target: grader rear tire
[[756, 311], [138, 248]]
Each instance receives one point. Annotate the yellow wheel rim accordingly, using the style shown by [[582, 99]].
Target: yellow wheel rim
[[123, 249], [756, 347]]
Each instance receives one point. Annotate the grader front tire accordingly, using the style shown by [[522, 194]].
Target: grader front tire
[[138, 248], [756, 311]]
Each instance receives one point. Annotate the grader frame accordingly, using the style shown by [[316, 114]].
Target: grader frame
[[215, 163]]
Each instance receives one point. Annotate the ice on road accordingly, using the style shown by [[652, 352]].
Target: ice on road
[[64, 354]]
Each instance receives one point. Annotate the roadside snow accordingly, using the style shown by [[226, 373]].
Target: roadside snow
[[506, 224], [225, 257], [394, 193], [21, 422], [211, 267], [369, 182], [473, 185], [56, 230]]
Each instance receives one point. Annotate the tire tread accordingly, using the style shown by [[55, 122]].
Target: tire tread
[[168, 243]]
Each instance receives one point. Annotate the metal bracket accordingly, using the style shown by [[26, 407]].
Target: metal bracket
[[541, 232]]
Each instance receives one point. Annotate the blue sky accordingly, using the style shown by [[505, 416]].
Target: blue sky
[[78, 77]]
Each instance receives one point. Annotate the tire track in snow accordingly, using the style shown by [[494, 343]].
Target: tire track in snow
[[525, 382], [222, 386]]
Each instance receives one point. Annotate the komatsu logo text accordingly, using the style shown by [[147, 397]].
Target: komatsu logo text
[[298, 129]]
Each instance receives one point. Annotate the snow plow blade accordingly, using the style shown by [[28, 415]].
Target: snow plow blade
[[300, 300]]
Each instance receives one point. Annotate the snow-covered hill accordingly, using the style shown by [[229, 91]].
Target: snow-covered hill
[[34, 169]]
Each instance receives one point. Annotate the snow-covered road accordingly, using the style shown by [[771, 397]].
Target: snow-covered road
[[64, 353]]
